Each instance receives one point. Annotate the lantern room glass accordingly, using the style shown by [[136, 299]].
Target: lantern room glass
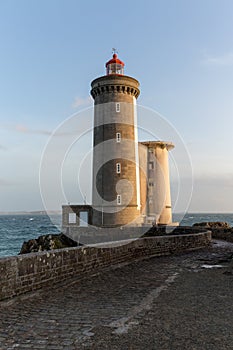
[[115, 68]]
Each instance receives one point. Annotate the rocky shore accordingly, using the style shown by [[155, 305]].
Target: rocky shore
[[171, 230], [220, 230], [47, 242]]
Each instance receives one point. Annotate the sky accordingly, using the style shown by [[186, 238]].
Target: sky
[[180, 51]]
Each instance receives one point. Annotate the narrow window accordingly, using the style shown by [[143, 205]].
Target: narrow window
[[118, 168], [83, 215], [118, 199], [118, 137], [117, 107], [151, 184], [151, 165], [72, 218]]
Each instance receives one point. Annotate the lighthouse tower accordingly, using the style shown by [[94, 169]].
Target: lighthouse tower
[[130, 182], [116, 183]]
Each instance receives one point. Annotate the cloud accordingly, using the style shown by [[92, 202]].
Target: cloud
[[24, 129], [214, 181], [4, 182], [80, 101], [2, 148], [221, 60], [212, 193]]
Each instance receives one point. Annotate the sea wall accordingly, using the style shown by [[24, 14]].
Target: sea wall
[[219, 229], [223, 234], [31, 272]]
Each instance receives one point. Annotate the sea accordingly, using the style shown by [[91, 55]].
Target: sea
[[15, 229]]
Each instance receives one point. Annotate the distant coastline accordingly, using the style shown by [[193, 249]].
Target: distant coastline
[[59, 212], [19, 226], [37, 212]]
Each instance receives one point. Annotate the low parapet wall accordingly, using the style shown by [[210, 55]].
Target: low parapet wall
[[222, 234], [30, 272]]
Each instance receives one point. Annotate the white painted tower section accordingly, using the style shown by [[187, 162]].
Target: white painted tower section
[[137, 154], [158, 187], [162, 183]]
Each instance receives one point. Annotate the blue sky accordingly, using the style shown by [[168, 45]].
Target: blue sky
[[180, 51]]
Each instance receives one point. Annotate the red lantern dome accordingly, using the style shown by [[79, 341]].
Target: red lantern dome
[[115, 66]]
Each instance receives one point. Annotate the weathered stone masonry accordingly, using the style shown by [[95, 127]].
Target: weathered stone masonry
[[30, 272]]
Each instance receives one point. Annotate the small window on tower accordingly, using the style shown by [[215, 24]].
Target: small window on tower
[[151, 165], [119, 199], [118, 168], [118, 137], [117, 107], [72, 218]]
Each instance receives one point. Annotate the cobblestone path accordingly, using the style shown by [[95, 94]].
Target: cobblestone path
[[170, 303]]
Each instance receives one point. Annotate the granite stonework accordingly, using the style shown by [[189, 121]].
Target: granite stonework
[[47, 242], [130, 179], [220, 230], [31, 272], [108, 182]]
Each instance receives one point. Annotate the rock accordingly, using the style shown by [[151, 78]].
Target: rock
[[220, 230], [47, 242], [172, 230], [214, 224]]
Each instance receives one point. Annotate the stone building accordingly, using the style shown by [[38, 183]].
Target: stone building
[[131, 183]]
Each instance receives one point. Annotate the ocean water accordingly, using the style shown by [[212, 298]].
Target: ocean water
[[15, 229], [189, 219]]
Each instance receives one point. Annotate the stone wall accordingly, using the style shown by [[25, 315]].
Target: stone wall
[[30, 272], [223, 234]]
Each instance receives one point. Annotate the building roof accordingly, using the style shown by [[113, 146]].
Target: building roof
[[161, 144], [115, 59]]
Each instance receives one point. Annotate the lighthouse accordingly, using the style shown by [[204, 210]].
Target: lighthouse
[[116, 183], [130, 179]]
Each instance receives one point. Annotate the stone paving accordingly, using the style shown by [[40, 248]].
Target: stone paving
[[174, 302]]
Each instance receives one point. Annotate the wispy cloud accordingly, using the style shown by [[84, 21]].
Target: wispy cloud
[[219, 60], [215, 180], [25, 130], [20, 128], [81, 101], [2, 148], [4, 182]]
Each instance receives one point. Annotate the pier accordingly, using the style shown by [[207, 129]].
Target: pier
[[170, 302]]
